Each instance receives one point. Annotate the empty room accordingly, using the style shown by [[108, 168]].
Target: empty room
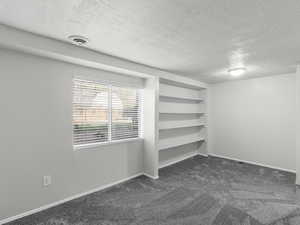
[[162, 112]]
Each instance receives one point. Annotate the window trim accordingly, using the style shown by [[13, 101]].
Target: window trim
[[95, 145], [110, 141]]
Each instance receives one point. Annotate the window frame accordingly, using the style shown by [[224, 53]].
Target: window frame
[[110, 141]]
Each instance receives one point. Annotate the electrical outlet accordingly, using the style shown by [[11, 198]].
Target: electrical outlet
[[47, 180]]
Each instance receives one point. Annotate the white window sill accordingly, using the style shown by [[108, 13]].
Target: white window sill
[[95, 145]]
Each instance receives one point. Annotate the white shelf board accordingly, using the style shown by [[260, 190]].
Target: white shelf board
[[182, 97], [181, 112], [163, 125], [177, 159], [172, 107], [178, 141], [179, 92]]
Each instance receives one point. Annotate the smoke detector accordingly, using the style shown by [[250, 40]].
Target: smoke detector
[[78, 40]]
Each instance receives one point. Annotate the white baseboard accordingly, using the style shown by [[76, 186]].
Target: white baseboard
[[150, 176], [253, 163], [33, 211], [202, 154]]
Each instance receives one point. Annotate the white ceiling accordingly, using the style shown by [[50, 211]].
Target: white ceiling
[[201, 39]]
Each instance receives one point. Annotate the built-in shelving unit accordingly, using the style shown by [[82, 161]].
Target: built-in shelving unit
[[175, 128], [182, 120]]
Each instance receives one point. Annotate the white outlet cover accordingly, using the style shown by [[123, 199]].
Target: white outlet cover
[[47, 180]]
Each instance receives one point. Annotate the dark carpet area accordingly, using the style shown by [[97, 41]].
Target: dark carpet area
[[197, 191]]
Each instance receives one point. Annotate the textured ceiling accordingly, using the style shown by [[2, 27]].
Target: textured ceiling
[[201, 39]]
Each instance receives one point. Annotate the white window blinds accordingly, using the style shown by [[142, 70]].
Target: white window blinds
[[125, 113], [104, 113]]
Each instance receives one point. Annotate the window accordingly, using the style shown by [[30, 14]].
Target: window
[[104, 113]]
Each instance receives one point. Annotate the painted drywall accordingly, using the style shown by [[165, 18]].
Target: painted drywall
[[36, 136], [298, 124], [255, 120]]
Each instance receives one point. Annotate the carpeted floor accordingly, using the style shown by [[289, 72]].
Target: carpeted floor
[[197, 191]]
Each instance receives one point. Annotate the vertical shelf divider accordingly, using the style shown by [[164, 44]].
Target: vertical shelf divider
[[150, 132]]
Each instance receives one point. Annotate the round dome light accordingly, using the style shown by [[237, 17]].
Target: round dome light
[[237, 71]]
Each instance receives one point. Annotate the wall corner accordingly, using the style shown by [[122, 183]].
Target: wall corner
[[298, 125]]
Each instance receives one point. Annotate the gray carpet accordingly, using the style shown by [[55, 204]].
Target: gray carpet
[[197, 191]]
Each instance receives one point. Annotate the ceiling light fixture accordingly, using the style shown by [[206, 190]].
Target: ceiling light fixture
[[237, 71], [78, 40]]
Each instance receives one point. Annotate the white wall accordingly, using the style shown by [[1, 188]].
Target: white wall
[[298, 124], [36, 137], [255, 120]]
